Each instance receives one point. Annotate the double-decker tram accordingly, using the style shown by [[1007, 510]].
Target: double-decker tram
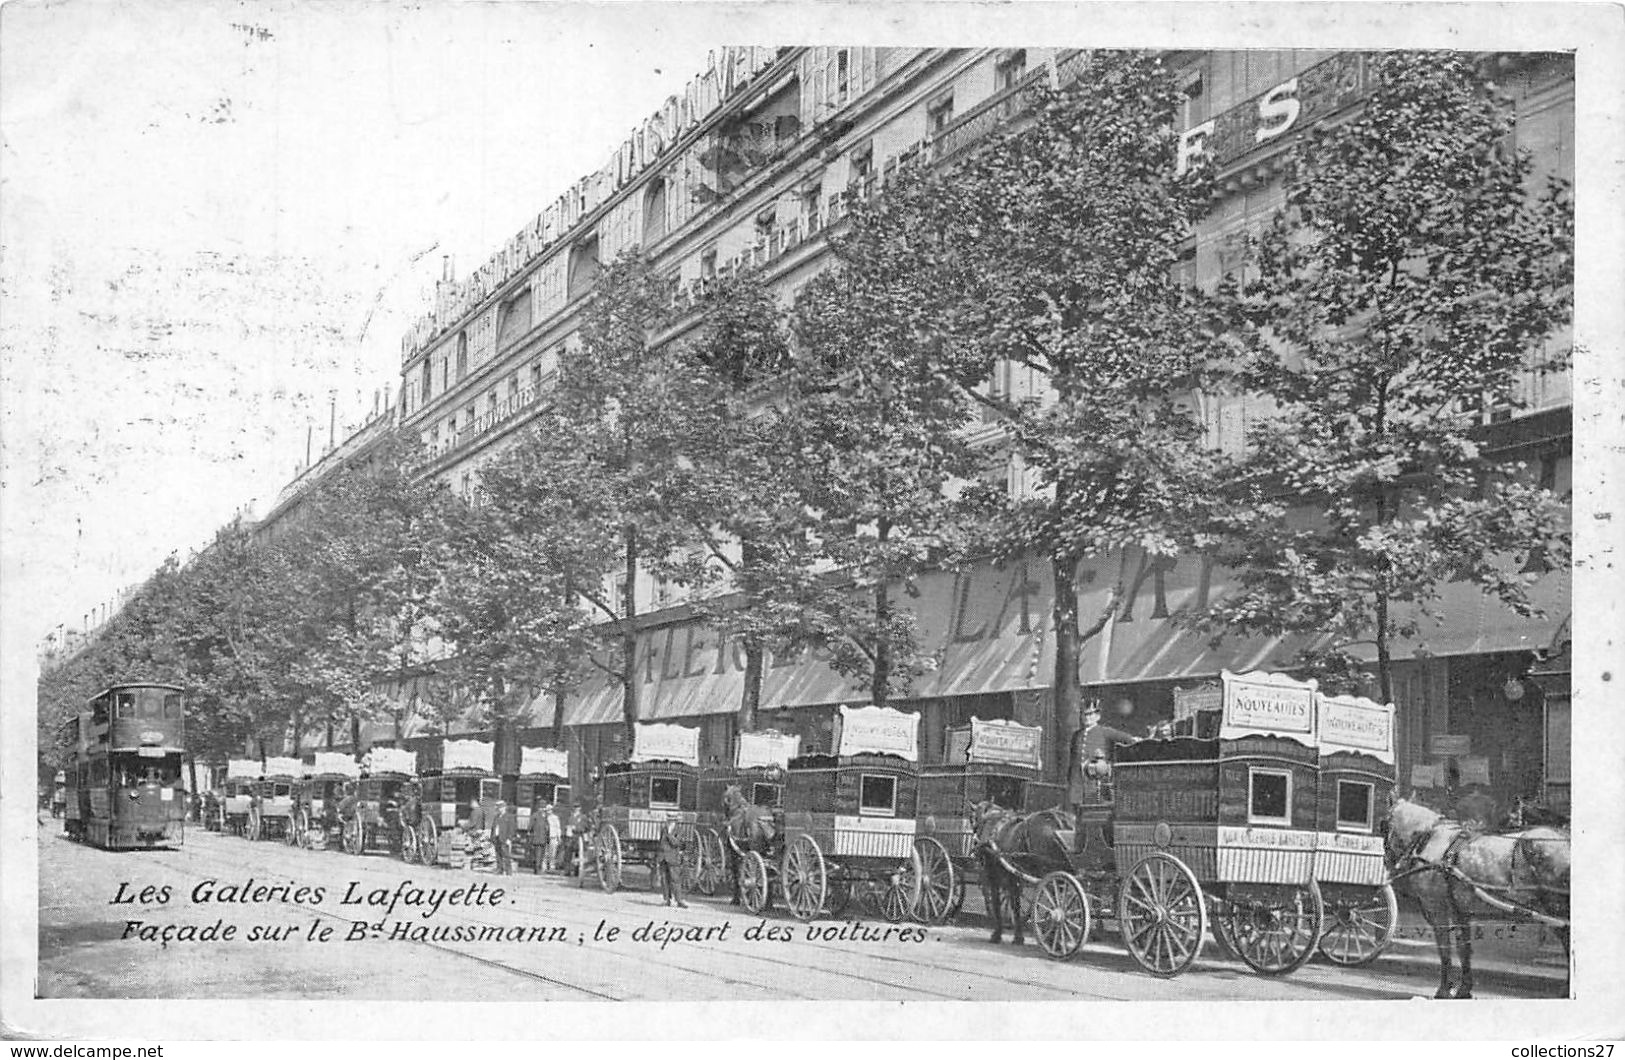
[[121, 759]]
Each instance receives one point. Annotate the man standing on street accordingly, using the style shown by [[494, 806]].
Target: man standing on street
[[669, 864], [504, 823], [541, 835]]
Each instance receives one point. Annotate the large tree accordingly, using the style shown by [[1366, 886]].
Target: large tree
[[1412, 277]]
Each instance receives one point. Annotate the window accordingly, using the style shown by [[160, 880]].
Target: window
[[663, 792], [536, 376], [583, 267], [126, 704], [468, 418], [513, 387], [1269, 796], [939, 114], [462, 354], [1006, 791], [1012, 67], [863, 163], [428, 380], [1354, 799], [493, 399], [1193, 109], [843, 71], [147, 706], [654, 212], [281, 791], [877, 795], [764, 794]]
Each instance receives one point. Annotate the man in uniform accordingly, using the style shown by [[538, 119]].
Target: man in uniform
[[1086, 782], [504, 822], [541, 834], [669, 864]]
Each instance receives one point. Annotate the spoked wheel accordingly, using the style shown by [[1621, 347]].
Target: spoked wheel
[[1061, 920], [957, 901], [354, 836], [428, 842], [1358, 925], [256, 825], [753, 882], [805, 878], [408, 840], [900, 892], [1219, 924], [298, 834], [607, 858], [937, 877], [1276, 931], [693, 864], [713, 863], [1162, 914]]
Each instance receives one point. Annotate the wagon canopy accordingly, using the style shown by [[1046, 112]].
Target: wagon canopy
[[284, 767], [666, 743], [543, 762], [333, 764]]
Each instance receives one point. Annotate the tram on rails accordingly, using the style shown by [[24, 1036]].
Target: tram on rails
[[121, 760]]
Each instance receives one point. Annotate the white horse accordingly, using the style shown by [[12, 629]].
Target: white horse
[[1455, 873]]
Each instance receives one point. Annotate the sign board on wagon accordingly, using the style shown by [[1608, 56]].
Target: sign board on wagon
[[878, 731], [769, 748], [666, 743], [544, 761], [284, 767], [242, 769], [1007, 742], [333, 762], [467, 754], [1354, 723], [1266, 704], [391, 760]]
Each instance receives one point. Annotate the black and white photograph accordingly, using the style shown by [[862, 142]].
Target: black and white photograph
[[778, 511]]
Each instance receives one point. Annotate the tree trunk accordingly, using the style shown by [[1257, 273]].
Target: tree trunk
[[750, 698], [558, 707], [1385, 663], [355, 735], [879, 685], [629, 637], [1068, 692], [191, 773]]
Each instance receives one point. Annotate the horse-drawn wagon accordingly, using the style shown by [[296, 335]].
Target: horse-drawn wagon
[[329, 779], [237, 803], [377, 816], [988, 762], [1221, 825], [849, 819], [1357, 775], [729, 848], [544, 780], [458, 777], [636, 799], [271, 814]]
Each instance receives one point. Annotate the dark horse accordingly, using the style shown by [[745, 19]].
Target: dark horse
[[1014, 849], [750, 827], [1451, 869]]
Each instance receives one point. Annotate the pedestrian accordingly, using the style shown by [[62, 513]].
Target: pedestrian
[[541, 835], [555, 836], [669, 864], [504, 823]]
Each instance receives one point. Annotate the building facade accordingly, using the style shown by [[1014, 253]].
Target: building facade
[[752, 166]]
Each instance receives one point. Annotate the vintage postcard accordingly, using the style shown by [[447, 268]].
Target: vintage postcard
[[1062, 516]]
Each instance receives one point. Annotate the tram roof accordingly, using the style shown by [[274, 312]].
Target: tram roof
[[137, 684]]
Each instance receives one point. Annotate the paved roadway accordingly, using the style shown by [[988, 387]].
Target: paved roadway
[[83, 952]]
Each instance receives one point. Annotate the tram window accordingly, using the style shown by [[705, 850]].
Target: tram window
[[125, 705], [764, 794], [1353, 804], [877, 795], [99, 710], [1269, 796], [147, 706], [663, 792], [172, 706]]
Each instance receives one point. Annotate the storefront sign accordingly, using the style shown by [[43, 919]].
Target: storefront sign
[[1474, 770], [467, 754], [1446, 745], [768, 748], [549, 761], [333, 762], [879, 730], [1320, 90], [1425, 775], [390, 760], [284, 767], [1265, 703], [1005, 741], [666, 743]]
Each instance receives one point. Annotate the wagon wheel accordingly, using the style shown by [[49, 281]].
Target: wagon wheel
[[255, 824], [934, 903], [220, 818], [754, 887], [355, 836], [805, 877], [298, 834], [693, 864], [900, 892], [1060, 917], [409, 844], [1161, 914], [1356, 930], [607, 857], [1219, 924], [956, 901], [713, 863], [1275, 936], [428, 844]]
